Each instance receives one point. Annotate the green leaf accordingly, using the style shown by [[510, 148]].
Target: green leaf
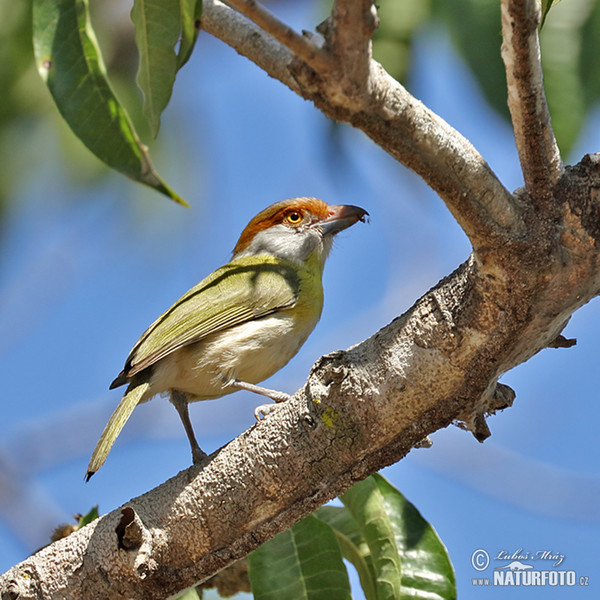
[[303, 562], [69, 61], [426, 568], [341, 521], [157, 27], [92, 515], [365, 503], [191, 12], [352, 544], [546, 6]]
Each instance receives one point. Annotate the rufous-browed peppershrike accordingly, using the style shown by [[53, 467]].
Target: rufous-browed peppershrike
[[241, 324]]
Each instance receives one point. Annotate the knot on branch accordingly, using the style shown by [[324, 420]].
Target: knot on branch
[[12, 591], [502, 397], [560, 341], [330, 369], [133, 537], [130, 530]]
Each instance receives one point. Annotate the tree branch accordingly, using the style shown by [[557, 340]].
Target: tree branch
[[300, 45], [392, 117], [348, 36], [538, 151], [359, 411]]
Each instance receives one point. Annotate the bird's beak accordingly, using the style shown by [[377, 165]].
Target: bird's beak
[[342, 216]]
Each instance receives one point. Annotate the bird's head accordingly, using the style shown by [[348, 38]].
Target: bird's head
[[297, 229]]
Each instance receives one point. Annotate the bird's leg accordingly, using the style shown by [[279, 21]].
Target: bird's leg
[[263, 409], [180, 402], [257, 389]]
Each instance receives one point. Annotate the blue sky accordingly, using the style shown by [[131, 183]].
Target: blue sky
[[85, 269]]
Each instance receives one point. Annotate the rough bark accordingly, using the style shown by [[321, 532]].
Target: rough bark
[[534, 263]]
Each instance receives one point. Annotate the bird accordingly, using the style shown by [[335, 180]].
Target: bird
[[239, 325]]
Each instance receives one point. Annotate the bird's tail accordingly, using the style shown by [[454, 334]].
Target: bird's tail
[[130, 400]]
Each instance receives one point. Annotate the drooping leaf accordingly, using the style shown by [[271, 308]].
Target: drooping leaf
[[352, 544], [157, 28], [365, 504], [302, 563], [396, 553], [69, 61], [426, 568], [191, 12], [382, 514]]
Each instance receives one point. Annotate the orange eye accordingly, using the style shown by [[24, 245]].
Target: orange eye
[[294, 218]]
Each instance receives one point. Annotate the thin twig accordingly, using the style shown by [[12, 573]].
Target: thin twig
[[353, 23], [299, 45], [536, 144]]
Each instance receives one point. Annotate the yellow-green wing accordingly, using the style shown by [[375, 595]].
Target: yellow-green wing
[[245, 289]]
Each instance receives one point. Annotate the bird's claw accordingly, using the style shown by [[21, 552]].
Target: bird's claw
[[260, 412]]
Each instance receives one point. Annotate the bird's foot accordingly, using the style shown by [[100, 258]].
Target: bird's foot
[[260, 412]]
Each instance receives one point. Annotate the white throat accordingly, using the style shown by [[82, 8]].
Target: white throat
[[293, 245]]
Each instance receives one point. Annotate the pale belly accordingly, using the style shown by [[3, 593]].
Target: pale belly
[[250, 352]]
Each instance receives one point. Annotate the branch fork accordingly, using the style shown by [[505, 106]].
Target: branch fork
[[345, 53]]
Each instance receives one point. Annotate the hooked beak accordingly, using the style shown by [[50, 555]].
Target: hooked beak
[[342, 216]]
